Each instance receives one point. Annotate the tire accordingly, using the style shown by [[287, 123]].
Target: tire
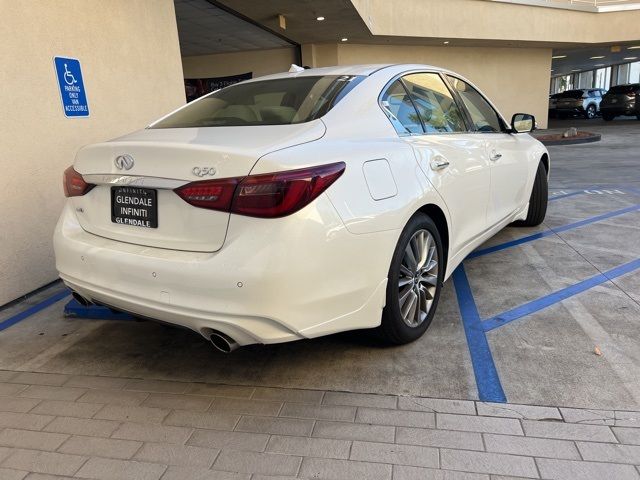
[[537, 201], [422, 289], [591, 112], [638, 116], [607, 117]]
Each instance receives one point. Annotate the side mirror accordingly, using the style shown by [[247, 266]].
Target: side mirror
[[523, 123]]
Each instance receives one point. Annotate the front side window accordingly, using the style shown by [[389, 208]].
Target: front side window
[[435, 104], [483, 116], [281, 101], [400, 110]]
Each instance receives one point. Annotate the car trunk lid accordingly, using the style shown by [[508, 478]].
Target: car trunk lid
[[164, 159]]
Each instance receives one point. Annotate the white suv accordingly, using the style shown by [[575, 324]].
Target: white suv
[[584, 102]]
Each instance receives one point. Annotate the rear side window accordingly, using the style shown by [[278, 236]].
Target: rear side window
[[435, 104], [623, 89], [572, 94], [483, 116], [400, 110], [281, 101]]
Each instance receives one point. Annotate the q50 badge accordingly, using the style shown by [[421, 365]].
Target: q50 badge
[[203, 171]]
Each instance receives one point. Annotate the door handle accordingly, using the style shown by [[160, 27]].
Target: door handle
[[439, 163], [495, 156]]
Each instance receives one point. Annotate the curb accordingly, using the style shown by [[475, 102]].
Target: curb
[[595, 137]]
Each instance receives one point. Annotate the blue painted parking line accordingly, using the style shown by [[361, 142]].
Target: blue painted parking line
[[555, 297], [595, 190], [485, 372], [552, 231], [95, 312], [565, 195], [34, 309], [484, 368]]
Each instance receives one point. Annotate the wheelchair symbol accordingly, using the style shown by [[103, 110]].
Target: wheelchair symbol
[[68, 76]]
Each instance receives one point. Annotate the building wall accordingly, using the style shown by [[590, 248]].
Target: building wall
[[515, 79], [260, 62], [132, 74]]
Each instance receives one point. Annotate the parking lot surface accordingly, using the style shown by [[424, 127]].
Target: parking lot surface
[[546, 317]]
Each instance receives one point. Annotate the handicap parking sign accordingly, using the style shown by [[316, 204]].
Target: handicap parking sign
[[72, 92]]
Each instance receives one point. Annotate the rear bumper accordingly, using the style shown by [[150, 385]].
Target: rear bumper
[[570, 110], [628, 109], [273, 281]]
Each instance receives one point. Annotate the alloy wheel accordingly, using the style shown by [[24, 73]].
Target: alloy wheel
[[418, 279]]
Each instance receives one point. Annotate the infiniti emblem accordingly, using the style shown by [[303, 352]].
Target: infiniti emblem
[[124, 162]]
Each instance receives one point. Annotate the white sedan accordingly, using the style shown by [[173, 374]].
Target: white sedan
[[299, 204]]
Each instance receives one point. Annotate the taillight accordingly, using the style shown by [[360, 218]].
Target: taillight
[[278, 194], [73, 183], [211, 194], [267, 195]]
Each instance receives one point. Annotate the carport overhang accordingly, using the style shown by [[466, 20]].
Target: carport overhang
[[458, 22]]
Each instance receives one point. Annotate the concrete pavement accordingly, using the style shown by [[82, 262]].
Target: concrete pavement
[[55, 426]]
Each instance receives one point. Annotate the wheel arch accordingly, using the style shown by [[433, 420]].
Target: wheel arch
[[545, 161], [439, 218]]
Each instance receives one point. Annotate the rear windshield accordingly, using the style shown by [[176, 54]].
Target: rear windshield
[[572, 94], [268, 102], [623, 89]]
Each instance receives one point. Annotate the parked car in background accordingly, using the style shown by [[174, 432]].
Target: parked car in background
[[553, 103], [299, 204], [584, 102], [621, 100]]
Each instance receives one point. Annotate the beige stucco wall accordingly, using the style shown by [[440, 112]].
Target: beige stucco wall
[[515, 79], [484, 20], [260, 62], [132, 74], [320, 54]]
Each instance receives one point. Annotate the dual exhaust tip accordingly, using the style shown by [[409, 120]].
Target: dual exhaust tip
[[219, 340]]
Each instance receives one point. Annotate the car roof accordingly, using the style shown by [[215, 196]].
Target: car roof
[[357, 70]]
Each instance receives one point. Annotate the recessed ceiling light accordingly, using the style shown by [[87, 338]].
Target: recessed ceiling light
[[596, 58], [575, 70], [559, 56], [635, 47], [344, 39], [629, 58], [320, 19], [446, 42]]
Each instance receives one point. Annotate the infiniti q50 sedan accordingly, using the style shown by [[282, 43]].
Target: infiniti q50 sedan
[[299, 204]]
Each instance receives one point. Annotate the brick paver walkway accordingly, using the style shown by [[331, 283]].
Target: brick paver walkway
[[62, 426]]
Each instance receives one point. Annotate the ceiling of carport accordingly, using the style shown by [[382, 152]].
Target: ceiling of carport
[[204, 28], [341, 19], [580, 58], [218, 26]]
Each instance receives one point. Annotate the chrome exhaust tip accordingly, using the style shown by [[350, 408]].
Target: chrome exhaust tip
[[85, 302], [223, 343]]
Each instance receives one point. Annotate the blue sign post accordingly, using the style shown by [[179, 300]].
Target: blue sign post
[[72, 92]]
